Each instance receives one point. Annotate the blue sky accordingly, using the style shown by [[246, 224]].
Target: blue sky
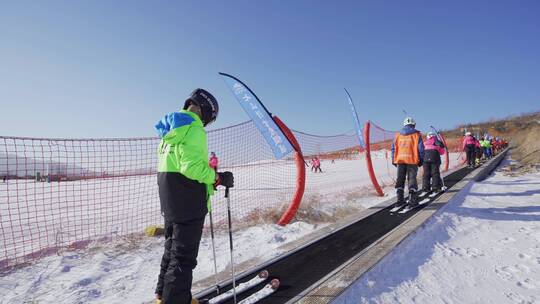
[[113, 68]]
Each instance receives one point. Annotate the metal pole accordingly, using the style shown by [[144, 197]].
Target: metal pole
[[231, 242], [214, 251]]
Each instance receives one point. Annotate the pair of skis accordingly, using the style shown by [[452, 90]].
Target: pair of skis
[[261, 277], [409, 207], [267, 290], [432, 194], [401, 209]]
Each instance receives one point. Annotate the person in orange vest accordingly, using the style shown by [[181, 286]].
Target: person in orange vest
[[407, 156]]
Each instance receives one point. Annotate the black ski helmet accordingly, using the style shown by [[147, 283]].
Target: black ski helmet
[[207, 102]]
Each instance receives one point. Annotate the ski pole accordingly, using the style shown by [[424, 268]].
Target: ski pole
[[231, 241], [213, 250], [438, 134], [443, 185]]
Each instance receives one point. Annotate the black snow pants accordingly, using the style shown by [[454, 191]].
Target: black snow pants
[[431, 172], [470, 152], [183, 204], [178, 261], [408, 172]]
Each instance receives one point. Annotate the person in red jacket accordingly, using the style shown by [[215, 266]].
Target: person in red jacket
[[213, 162], [469, 147], [317, 164]]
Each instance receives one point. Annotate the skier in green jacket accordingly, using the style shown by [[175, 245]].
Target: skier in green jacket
[[185, 182]]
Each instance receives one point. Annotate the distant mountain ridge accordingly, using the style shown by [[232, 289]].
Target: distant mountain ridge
[[14, 165]]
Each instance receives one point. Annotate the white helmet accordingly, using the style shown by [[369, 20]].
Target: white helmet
[[409, 121], [468, 133], [430, 134]]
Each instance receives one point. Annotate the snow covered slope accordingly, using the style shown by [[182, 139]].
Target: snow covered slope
[[483, 247], [127, 273]]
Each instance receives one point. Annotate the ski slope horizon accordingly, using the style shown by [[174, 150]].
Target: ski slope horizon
[[60, 211]]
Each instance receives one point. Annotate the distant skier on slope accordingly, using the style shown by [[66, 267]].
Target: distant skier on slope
[[186, 182], [433, 149], [469, 147], [407, 156], [317, 164], [313, 164], [213, 161]]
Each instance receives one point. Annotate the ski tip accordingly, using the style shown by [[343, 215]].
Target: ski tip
[[274, 284], [263, 274]]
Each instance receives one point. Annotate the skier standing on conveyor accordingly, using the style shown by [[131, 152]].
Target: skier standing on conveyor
[[407, 156], [478, 151], [489, 146], [433, 149], [186, 182], [469, 147], [486, 146]]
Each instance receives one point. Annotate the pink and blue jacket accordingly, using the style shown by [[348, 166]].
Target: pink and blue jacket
[[433, 149], [213, 162], [434, 144], [469, 140]]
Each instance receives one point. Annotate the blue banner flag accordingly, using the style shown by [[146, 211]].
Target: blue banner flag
[[356, 121], [254, 108]]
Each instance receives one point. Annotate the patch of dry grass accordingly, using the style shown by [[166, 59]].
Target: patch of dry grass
[[526, 146], [312, 210]]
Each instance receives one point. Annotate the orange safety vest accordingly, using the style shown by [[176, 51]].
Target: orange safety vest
[[406, 149]]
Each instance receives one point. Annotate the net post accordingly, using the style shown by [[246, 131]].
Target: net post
[[300, 175], [369, 164], [446, 157]]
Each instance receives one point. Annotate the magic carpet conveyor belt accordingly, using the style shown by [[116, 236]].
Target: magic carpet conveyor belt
[[303, 267]]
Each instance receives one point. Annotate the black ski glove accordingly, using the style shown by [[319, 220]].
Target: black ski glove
[[225, 179], [394, 164], [420, 163], [440, 144]]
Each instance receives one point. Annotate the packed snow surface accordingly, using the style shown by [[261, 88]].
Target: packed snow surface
[[483, 247], [122, 274]]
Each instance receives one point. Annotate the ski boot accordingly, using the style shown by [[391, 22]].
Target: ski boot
[[413, 199], [424, 192], [400, 198], [400, 201], [435, 192]]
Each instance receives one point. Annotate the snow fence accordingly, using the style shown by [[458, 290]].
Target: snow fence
[[61, 194]]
